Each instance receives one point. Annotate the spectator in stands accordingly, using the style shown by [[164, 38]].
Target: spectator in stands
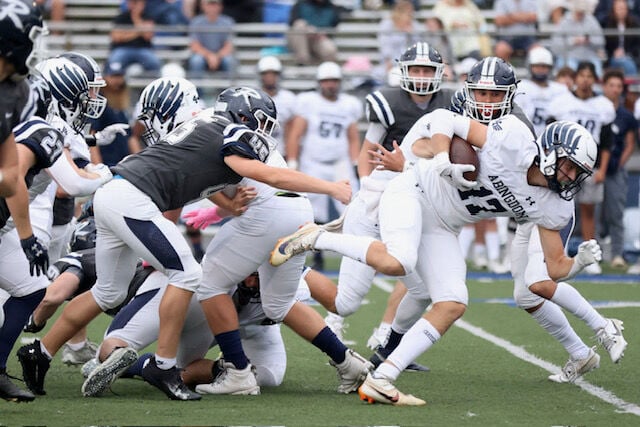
[[163, 12], [465, 23], [117, 111], [566, 76], [578, 37], [437, 37], [516, 26], [54, 10], [622, 48], [244, 10], [396, 33], [603, 10], [623, 139], [551, 12], [310, 25], [211, 41], [131, 39]]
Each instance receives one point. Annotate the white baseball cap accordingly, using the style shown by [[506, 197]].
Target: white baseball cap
[[328, 71], [269, 63]]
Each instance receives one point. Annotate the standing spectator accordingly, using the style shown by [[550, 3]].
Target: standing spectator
[[118, 102], [324, 139], [211, 43], [308, 38], [594, 112], [438, 38], [566, 76], [550, 12], [623, 138], [131, 39], [270, 70], [516, 25], [465, 22], [622, 48], [578, 37], [397, 32]]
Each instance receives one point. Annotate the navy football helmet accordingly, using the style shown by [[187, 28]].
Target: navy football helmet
[[97, 102], [165, 104], [492, 74], [84, 235], [20, 30], [568, 140], [250, 107], [423, 55]]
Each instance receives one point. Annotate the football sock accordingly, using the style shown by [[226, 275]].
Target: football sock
[[492, 240], [567, 297], [231, 348], [136, 368], [394, 340], [44, 351], [16, 313], [329, 343], [553, 320], [465, 238], [355, 247], [416, 341], [75, 346], [165, 363]]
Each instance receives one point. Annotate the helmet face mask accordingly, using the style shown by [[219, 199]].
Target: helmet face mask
[[492, 75], [166, 103], [84, 235], [562, 147], [250, 107], [420, 55]]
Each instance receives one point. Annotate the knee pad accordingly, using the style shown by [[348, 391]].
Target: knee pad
[[526, 299], [270, 376]]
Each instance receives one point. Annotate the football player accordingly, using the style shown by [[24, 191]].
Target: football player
[[531, 180]]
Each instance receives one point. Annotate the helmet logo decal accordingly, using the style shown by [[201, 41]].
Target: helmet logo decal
[[13, 9], [246, 93]]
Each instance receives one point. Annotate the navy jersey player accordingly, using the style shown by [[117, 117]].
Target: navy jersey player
[[197, 159]]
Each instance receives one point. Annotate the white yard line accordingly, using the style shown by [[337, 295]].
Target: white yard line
[[522, 354]]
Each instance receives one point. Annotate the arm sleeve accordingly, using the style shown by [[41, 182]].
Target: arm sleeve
[[72, 183]]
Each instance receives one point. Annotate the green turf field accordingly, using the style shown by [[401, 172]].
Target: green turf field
[[491, 369]]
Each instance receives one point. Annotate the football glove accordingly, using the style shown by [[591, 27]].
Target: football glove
[[36, 254], [453, 173], [202, 218], [588, 253], [108, 134]]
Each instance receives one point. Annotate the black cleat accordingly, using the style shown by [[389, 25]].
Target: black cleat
[[11, 392], [381, 355], [32, 327], [34, 366], [169, 381]]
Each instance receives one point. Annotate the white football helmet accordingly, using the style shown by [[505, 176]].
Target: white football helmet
[[165, 104], [69, 91], [540, 56], [97, 102], [269, 63], [564, 139], [424, 55]]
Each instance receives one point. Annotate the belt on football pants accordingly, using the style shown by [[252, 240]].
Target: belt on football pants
[[287, 194]]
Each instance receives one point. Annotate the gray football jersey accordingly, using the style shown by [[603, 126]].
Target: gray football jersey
[[13, 97], [396, 111], [188, 164]]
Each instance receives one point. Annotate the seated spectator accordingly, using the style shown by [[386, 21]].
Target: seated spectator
[[516, 25], [396, 33], [622, 48], [210, 35], [551, 12], [578, 37], [438, 38], [131, 39], [603, 10], [163, 12], [310, 22], [465, 22]]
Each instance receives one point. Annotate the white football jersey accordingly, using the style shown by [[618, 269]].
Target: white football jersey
[[592, 113], [534, 101], [502, 188], [285, 101], [325, 140]]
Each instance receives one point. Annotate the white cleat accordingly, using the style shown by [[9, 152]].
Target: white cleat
[[295, 244], [352, 371], [610, 337], [103, 375], [81, 356], [381, 390], [574, 369], [232, 381]]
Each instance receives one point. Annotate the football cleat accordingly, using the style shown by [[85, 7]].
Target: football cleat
[[381, 354], [295, 244], [232, 381], [108, 371], [89, 366], [352, 371], [381, 390], [35, 365], [610, 337], [574, 369], [168, 381], [11, 392], [81, 356], [32, 327]]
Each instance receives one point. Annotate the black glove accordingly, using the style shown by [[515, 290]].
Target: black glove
[[36, 254], [32, 327]]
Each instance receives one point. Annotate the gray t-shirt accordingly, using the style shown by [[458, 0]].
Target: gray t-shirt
[[211, 35]]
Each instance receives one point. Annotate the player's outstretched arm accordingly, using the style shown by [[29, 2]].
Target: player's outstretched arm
[[561, 267]]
